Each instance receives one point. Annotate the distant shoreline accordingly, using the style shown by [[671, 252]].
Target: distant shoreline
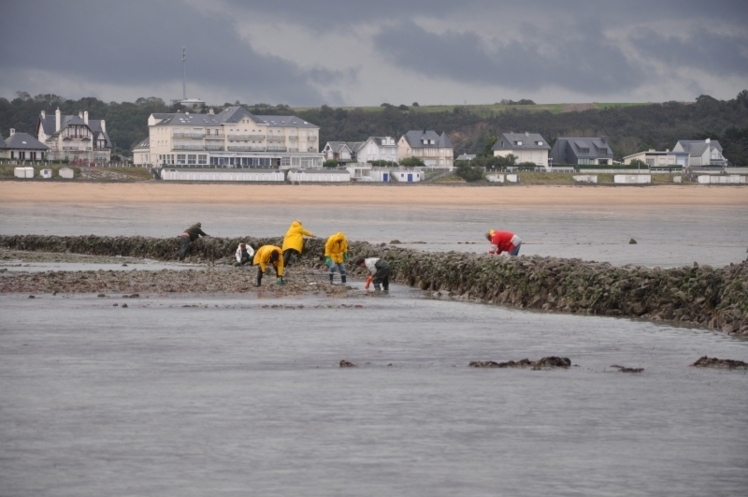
[[427, 195]]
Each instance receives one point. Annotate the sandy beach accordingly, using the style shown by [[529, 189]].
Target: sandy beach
[[416, 195]]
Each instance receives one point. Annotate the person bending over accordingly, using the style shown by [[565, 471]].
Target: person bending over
[[188, 236], [293, 242], [503, 241], [244, 254], [269, 255], [379, 272], [336, 253]]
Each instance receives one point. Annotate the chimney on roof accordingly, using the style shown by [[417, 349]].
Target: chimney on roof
[[57, 120], [12, 131], [44, 114], [80, 114], [527, 133], [708, 140], [85, 117], [210, 111], [103, 126]]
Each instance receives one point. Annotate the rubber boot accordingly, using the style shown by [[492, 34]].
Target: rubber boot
[[331, 275], [259, 279], [342, 277]]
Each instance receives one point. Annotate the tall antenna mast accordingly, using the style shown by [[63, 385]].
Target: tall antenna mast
[[184, 73]]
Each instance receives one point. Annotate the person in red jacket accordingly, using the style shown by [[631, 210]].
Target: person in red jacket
[[503, 241]]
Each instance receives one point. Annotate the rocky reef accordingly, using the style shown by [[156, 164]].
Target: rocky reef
[[715, 298]]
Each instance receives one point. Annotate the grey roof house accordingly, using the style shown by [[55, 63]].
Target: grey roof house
[[23, 146], [432, 149], [582, 151], [526, 147], [74, 138], [690, 153]]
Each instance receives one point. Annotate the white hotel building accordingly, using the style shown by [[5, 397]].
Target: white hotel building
[[233, 138]]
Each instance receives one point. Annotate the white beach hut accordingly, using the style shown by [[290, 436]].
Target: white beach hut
[[66, 173], [46, 173]]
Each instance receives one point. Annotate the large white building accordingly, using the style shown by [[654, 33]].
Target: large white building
[[232, 138]]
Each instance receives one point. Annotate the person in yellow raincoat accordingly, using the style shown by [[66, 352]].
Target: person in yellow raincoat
[[336, 253], [269, 255], [293, 242]]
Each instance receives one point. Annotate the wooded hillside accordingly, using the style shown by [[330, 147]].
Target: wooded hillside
[[630, 128]]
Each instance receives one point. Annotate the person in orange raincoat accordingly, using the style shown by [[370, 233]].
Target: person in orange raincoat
[[293, 242], [269, 255], [336, 254], [503, 241]]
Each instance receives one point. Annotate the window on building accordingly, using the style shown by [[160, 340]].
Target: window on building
[[202, 159]]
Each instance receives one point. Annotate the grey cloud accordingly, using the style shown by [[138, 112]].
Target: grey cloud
[[721, 54], [139, 42], [580, 64]]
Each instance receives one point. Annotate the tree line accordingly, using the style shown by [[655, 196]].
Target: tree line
[[630, 129]]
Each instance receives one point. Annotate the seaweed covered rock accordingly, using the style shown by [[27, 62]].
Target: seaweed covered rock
[[544, 363], [713, 362], [715, 298]]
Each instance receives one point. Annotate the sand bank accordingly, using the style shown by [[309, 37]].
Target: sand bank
[[416, 195]]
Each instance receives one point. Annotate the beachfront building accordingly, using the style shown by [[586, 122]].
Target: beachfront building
[[654, 159], [526, 147], [432, 149], [695, 153], [232, 138], [77, 139], [374, 148], [141, 153], [340, 151], [582, 151], [23, 147]]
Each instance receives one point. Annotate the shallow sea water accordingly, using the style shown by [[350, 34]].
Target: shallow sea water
[[227, 395], [665, 237]]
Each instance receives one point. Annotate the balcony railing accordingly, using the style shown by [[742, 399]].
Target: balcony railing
[[276, 148], [293, 149], [195, 136], [235, 148], [276, 139], [77, 149], [311, 137], [257, 137], [183, 146], [213, 147], [238, 137], [293, 139], [215, 137]]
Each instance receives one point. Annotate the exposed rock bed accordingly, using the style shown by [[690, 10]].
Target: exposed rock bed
[[715, 298], [544, 363], [713, 362]]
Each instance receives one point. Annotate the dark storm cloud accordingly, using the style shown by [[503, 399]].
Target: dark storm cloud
[[721, 54], [325, 13], [584, 63], [139, 43]]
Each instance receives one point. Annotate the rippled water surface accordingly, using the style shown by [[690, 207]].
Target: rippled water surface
[[225, 396], [665, 237], [238, 395]]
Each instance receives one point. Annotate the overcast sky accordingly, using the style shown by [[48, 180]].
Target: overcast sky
[[336, 52]]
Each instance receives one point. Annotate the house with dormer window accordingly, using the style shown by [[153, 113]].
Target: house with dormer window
[[23, 147], [432, 149], [582, 151], [526, 147], [74, 138]]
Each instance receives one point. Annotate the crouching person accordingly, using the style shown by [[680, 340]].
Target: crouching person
[[379, 272], [269, 255], [244, 254]]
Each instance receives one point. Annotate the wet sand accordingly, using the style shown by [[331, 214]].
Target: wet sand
[[352, 194]]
